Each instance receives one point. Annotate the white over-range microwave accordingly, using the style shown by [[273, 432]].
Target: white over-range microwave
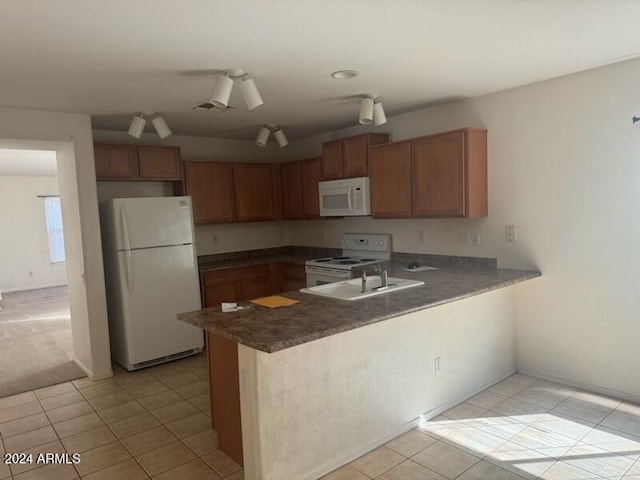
[[346, 197]]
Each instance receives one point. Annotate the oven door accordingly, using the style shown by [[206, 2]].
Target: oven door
[[320, 275]]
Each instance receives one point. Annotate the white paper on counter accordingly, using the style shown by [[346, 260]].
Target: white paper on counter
[[232, 307]]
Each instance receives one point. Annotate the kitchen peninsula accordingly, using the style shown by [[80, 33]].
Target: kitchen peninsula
[[324, 381]]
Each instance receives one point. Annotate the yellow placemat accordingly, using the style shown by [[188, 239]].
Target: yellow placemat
[[274, 301]]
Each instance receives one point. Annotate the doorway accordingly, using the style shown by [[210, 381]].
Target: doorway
[[36, 342]]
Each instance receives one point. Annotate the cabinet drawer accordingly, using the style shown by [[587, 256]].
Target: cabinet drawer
[[222, 276]]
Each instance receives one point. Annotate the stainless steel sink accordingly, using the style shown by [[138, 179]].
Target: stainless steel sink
[[352, 289]]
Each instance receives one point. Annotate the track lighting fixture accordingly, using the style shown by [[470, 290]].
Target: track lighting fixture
[[224, 85], [263, 136], [371, 111], [280, 138], [137, 126], [139, 121], [161, 126], [366, 111], [278, 134], [379, 116]]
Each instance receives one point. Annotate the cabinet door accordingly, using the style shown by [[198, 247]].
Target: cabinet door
[[253, 186], [332, 160], [310, 176], [255, 288], [159, 163], [292, 191], [211, 188], [214, 295], [355, 151], [276, 176], [115, 162], [438, 175], [293, 277], [390, 170]]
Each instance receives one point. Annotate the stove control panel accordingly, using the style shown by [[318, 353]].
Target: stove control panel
[[373, 242]]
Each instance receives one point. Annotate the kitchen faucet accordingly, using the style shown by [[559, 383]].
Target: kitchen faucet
[[383, 279]]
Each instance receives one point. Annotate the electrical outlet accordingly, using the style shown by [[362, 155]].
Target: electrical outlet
[[463, 238], [474, 239], [437, 365], [421, 236], [510, 233], [214, 239]]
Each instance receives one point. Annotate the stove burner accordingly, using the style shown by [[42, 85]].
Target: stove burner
[[340, 258], [348, 262], [367, 259], [322, 260]]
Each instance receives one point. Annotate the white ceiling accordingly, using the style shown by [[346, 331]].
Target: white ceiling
[[111, 58], [28, 162]]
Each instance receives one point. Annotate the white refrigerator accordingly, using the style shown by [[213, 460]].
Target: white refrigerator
[[151, 275]]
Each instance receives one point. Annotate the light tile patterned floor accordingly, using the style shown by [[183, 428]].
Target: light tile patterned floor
[[519, 428], [154, 423]]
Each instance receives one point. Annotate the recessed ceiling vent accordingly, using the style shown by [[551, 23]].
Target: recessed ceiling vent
[[210, 107]]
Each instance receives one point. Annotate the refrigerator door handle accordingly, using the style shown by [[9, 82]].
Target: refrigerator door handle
[[127, 246]]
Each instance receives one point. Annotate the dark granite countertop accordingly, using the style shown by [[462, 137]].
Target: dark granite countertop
[[249, 261], [271, 330]]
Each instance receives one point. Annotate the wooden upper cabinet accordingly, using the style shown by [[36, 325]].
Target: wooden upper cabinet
[[291, 191], [211, 188], [300, 197], [115, 162], [349, 157], [449, 176], [253, 187], [276, 176], [309, 178], [159, 163], [332, 160], [390, 170], [355, 156]]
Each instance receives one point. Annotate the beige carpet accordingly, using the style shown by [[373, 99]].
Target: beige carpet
[[35, 340]]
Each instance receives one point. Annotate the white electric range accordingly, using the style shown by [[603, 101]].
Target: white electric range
[[358, 250]]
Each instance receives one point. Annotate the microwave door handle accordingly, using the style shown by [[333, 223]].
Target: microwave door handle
[[350, 199]]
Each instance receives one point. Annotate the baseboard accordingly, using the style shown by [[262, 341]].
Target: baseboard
[[90, 374], [584, 386], [37, 287]]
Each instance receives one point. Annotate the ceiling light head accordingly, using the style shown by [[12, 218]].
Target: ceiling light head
[[263, 136], [161, 127], [137, 126], [379, 117], [250, 93], [366, 111], [344, 74], [280, 138], [222, 91]]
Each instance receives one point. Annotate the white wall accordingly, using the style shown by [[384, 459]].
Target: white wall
[[309, 409], [563, 168], [24, 245], [70, 136]]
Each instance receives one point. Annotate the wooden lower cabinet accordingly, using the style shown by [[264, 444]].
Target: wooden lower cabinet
[[232, 285], [293, 277], [235, 284], [224, 388]]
